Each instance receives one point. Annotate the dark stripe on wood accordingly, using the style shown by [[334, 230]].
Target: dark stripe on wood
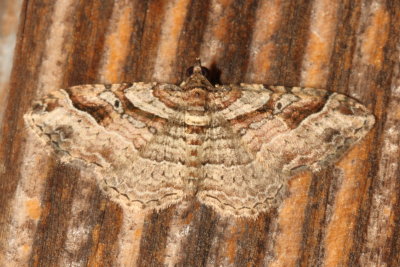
[[104, 242], [146, 36], [344, 46], [290, 42], [89, 28], [191, 36], [392, 251], [315, 218], [196, 246], [139, 16], [52, 228], [154, 238], [252, 243], [235, 57]]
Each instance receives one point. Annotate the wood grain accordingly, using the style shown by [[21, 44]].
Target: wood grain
[[347, 215]]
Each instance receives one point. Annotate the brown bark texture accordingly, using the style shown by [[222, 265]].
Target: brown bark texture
[[53, 214]]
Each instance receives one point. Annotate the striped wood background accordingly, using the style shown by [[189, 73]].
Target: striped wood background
[[347, 215]]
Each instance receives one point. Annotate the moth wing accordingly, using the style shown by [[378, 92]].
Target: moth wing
[[293, 128], [99, 125], [306, 127]]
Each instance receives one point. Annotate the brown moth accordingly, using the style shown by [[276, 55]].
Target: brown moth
[[232, 147]]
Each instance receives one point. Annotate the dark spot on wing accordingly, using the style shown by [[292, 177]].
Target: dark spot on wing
[[329, 134]]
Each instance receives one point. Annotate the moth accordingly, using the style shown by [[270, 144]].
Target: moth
[[231, 147]]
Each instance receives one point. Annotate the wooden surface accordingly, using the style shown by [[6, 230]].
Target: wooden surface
[[347, 215], [9, 16]]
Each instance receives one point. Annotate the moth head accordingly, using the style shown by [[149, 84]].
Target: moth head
[[197, 68], [197, 77]]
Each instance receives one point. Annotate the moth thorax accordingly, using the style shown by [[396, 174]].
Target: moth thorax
[[195, 98]]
